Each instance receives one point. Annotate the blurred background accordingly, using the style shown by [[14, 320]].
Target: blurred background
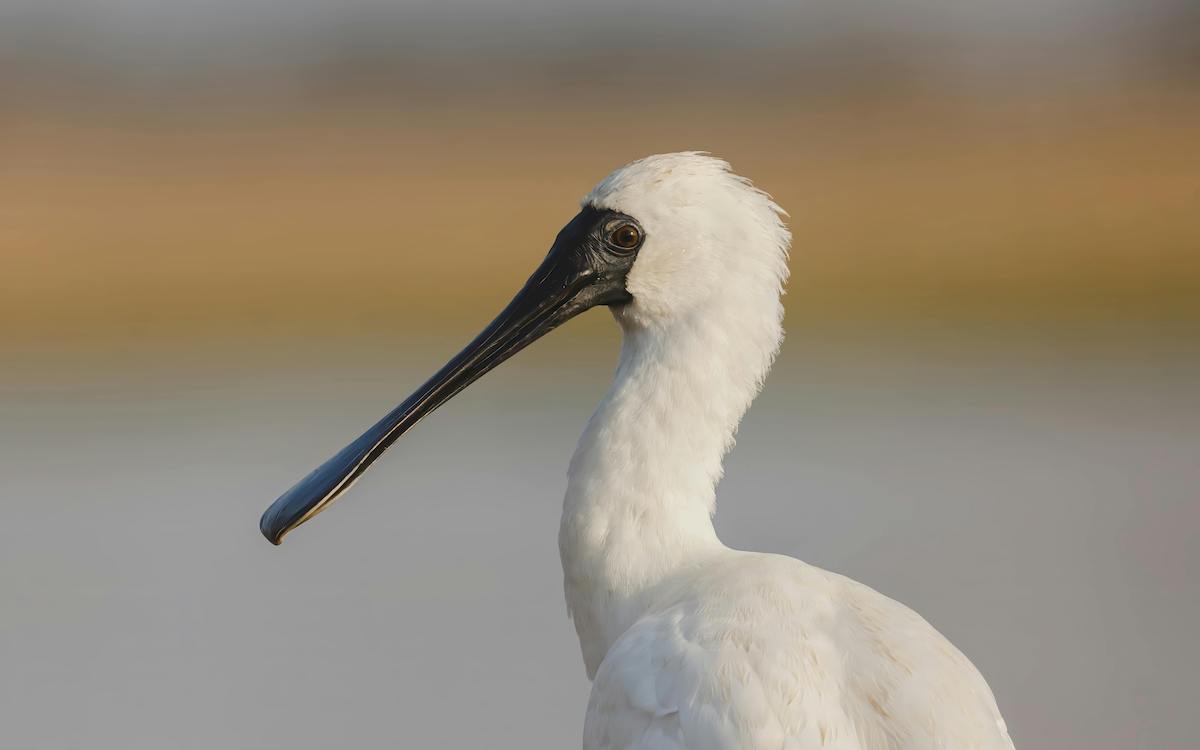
[[234, 233]]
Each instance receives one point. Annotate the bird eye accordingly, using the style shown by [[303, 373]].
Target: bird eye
[[625, 236]]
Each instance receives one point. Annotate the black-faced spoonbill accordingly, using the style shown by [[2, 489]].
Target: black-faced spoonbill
[[690, 644]]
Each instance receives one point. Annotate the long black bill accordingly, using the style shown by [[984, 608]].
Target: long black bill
[[583, 269]]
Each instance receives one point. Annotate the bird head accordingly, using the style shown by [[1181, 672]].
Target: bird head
[[709, 238], [658, 240]]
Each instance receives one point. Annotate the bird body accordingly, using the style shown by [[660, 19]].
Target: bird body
[[690, 644], [752, 650]]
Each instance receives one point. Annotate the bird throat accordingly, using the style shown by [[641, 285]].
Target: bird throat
[[641, 486]]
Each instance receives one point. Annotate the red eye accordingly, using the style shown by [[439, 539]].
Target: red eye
[[625, 236]]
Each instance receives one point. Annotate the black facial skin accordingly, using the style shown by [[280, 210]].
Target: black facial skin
[[587, 266]]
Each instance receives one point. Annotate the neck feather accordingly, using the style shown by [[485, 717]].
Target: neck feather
[[641, 486]]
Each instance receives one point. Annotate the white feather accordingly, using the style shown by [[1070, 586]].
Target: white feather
[[691, 644]]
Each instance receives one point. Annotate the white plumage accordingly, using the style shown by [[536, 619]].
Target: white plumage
[[691, 644]]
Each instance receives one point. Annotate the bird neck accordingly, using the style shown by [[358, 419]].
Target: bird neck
[[642, 483]]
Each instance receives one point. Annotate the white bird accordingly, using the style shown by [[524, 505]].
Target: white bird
[[688, 643]]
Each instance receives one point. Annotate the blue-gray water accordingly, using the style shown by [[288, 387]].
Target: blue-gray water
[[1040, 507]]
